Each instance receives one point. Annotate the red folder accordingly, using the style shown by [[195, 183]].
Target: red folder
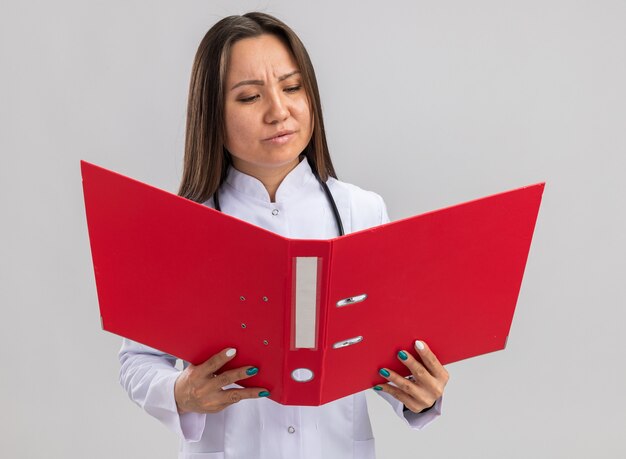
[[190, 281]]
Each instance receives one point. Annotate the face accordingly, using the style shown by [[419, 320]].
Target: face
[[267, 114]]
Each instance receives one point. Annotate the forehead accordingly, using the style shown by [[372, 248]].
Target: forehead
[[255, 57]]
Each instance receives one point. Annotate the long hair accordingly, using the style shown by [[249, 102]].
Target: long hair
[[206, 158]]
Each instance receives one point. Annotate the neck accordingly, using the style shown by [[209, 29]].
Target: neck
[[270, 177]]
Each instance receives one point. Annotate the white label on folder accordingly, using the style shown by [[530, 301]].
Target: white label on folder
[[306, 301]]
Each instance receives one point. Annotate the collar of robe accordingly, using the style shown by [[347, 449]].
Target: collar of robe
[[299, 180]]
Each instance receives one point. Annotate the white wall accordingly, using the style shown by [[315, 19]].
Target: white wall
[[439, 101]]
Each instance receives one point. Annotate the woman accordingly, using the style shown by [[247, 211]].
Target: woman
[[255, 149]]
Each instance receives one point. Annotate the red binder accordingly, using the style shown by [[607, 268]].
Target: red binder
[[188, 280]]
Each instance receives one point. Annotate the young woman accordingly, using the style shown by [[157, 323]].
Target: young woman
[[255, 149]]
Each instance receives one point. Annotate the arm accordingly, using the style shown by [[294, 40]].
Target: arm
[[181, 400], [149, 376]]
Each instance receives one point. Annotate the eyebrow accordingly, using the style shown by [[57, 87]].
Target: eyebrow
[[261, 82]]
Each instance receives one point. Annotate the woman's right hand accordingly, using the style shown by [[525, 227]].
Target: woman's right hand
[[198, 388]]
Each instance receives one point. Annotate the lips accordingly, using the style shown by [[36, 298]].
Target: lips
[[279, 135], [280, 138]]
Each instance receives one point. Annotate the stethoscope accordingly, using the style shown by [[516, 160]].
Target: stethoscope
[[329, 196]]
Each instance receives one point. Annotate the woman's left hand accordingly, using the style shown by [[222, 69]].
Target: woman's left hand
[[429, 378]]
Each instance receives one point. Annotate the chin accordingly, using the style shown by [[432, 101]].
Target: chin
[[281, 158], [282, 162]]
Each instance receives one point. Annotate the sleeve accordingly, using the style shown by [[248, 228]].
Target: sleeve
[[384, 216], [414, 420], [148, 376]]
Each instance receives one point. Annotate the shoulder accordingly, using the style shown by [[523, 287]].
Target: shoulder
[[365, 208], [358, 197]]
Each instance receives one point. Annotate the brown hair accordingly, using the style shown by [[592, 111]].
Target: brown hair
[[206, 159]]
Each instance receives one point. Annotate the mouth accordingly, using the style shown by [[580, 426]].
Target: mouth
[[280, 137]]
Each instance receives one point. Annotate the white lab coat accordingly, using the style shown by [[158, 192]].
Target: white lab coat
[[262, 428]]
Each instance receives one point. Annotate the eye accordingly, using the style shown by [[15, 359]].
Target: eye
[[292, 89], [247, 100]]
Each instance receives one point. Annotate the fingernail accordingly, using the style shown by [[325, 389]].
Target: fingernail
[[377, 388], [419, 345], [384, 373], [231, 352], [252, 371], [403, 355], [264, 393]]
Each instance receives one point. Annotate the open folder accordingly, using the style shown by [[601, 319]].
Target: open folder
[[317, 317]]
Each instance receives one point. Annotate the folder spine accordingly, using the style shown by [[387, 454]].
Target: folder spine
[[305, 355]]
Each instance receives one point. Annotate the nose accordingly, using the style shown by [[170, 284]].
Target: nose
[[277, 108]]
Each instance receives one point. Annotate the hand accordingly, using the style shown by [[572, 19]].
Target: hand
[[424, 387], [198, 388]]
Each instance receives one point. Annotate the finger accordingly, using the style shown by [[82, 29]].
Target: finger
[[231, 396], [401, 383], [217, 361], [421, 375], [415, 404], [430, 361], [228, 377], [429, 390]]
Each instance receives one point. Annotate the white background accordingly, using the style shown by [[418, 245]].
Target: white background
[[426, 103]]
